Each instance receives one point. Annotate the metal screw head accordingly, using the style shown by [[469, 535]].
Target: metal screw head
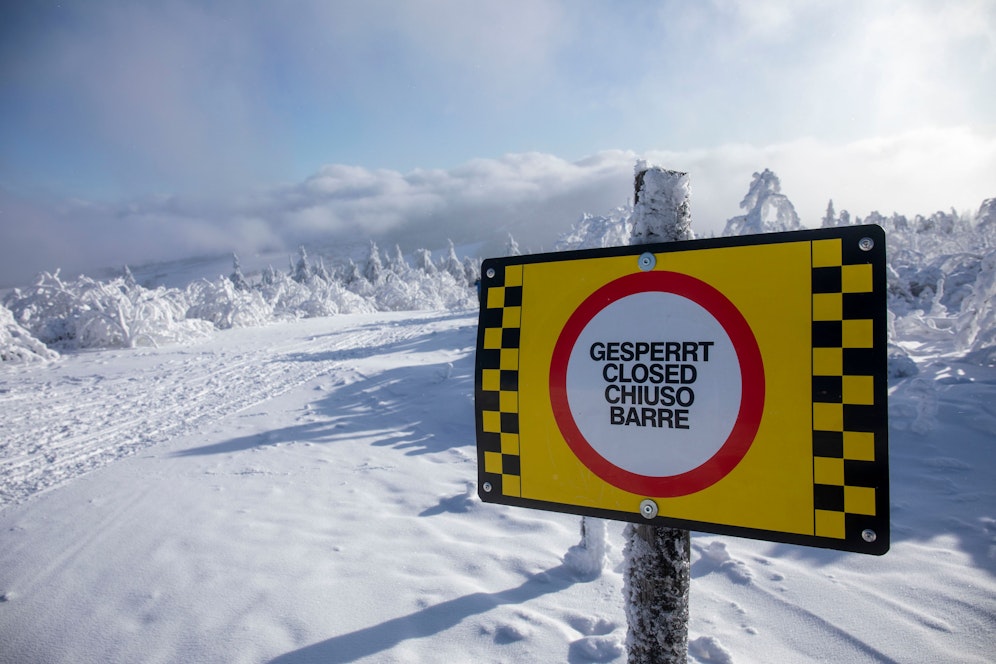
[[487, 487], [866, 244], [647, 261], [491, 273], [648, 509], [869, 535]]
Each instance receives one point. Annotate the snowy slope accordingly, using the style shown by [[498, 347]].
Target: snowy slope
[[302, 492]]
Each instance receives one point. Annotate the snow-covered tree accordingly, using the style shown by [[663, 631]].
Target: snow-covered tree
[[320, 272], [985, 218], [597, 231], [269, 276], [471, 271], [236, 277], [128, 277], [451, 263], [767, 209], [351, 273], [374, 268], [512, 247], [397, 263], [830, 218], [423, 261], [302, 268]]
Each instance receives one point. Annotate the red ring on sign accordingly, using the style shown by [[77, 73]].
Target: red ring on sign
[[752, 381]]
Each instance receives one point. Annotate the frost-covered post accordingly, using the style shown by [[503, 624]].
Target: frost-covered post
[[656, 577]]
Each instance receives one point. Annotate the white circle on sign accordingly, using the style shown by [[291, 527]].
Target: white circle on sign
[[671, 409]]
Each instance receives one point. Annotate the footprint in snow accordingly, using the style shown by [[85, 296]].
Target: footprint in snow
[[601, 642], [709, 649], [715, 558], [591, 625], [508, 633], [597, 648]]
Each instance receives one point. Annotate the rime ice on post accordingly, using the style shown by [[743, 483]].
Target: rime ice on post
[[587, 558], [656, 585], [661, 210], [656, 558]]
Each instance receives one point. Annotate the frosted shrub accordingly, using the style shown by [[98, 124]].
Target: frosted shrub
[[225, 305], [978, 309], [395, 293], [283, 295], [17, 344], [86, 313], [46, 309], [311, 298], [596, 232], [333, 298], [942, 281], [420, 291]]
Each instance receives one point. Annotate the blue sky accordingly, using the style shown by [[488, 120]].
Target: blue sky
[[213, 118]]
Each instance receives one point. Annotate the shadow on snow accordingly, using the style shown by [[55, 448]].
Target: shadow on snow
[[418, 407], [426, 622]]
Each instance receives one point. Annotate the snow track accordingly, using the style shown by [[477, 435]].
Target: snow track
[[62, 420]]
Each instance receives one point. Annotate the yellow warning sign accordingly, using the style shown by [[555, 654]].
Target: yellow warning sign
[[738, 385]]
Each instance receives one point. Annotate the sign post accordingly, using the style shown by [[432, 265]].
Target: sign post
[[657, 564]]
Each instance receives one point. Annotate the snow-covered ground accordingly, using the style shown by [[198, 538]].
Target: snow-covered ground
[[303, 492]]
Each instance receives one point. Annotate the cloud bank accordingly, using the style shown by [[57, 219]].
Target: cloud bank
[[533, 196]]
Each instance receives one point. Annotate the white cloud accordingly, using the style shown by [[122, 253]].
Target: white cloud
[[534, 196]]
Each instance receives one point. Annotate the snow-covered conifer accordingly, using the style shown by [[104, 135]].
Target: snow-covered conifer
[[351, 273], [451, 263], [236, 277], [269, 276], [320, 271], [875, 217], [128, 277], [397, 263], [423, 261], [375, 266], [830, 218], [512, 247], [985, 218], [301, 271], [898, 222], [471, 270]]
